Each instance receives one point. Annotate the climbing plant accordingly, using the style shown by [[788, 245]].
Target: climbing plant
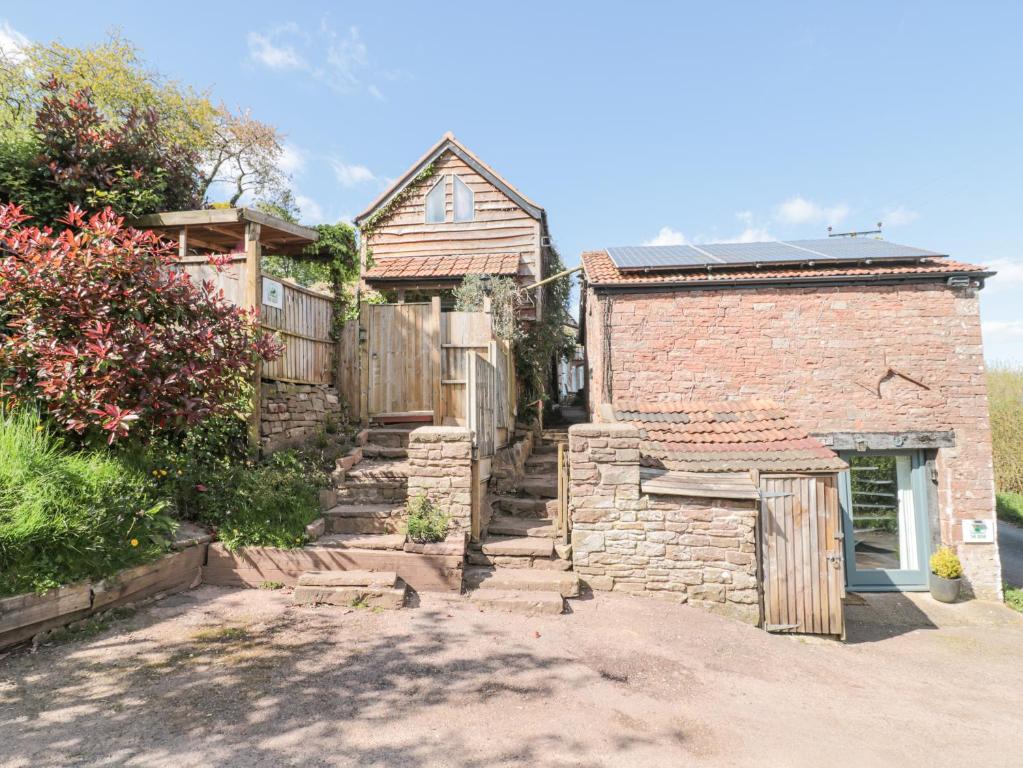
[[373, 223], [503, 293]]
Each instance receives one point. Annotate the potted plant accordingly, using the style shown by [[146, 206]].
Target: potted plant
[[946, 574]]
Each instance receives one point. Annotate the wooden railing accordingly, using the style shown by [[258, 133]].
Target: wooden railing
[[563, 521]]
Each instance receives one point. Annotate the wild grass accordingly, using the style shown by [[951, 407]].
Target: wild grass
[[426, 522], [1010, 507], [68, 515], [1005, 396], [1014, 598]]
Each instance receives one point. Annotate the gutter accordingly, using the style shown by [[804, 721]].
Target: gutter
[[787, 282]]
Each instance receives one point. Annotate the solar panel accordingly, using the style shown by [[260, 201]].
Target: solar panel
[[711, 255]]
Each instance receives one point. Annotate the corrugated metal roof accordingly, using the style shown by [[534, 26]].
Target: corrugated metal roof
[[703, 256]]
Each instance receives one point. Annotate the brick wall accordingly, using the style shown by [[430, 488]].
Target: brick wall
[[700, 551], [292, 414], [820, 352], [440, 467]]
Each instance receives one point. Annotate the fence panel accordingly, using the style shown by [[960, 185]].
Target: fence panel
[[480, 402], [460, 332], [303, 324], [401, 339]]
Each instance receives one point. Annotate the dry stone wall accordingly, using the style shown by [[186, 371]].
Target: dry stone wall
[[440, 467], [292, 414], [700, 551]]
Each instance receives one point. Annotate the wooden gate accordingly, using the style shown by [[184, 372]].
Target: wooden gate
[[399, 364], [481, 405], [801, 554]]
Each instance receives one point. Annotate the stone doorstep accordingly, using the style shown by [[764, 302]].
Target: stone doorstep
[[508, 525], [527, 579], [395, 541], [348, 579], [511, 601], [518, 546], [525, 506], [351, 596]]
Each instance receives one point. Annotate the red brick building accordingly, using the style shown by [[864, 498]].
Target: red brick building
[[879, 357]]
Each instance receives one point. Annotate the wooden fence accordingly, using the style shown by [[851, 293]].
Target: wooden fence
[[420, 364]]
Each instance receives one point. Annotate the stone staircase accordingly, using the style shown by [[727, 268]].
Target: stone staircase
[[370, 488], [519, 564]]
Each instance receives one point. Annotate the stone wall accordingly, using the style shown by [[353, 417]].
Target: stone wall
[[440, 466], [700, 551], [292, 414], [836, 358]]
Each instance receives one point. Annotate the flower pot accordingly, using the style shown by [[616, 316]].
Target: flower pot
[[944, 590]]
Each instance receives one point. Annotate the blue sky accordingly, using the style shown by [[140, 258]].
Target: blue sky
[[634, 122]]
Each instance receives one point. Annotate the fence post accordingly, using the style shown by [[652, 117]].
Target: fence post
[[364, 331], [253, 298], [435, 360]]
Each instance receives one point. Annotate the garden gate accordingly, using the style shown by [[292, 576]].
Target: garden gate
[[801, 554]]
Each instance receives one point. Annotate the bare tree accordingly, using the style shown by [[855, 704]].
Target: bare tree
[[244, 157]]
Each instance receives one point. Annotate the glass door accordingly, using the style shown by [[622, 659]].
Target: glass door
[[884, 513]]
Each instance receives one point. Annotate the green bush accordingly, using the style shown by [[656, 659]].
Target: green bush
[[70, 515], [426, 522], [1010, 507], [945, 563], [1005, 396], [1014, 598]]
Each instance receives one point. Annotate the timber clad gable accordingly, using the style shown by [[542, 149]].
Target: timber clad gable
[[504, 223]]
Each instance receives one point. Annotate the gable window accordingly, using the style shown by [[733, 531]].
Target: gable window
[[464, 201], [435, 203]]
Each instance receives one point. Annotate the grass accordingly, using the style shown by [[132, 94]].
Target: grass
[[426, 522], [1014, 598], [1010, 507], [70, 515]]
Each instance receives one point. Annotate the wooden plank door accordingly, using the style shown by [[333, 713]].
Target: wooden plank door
[[801, 554]]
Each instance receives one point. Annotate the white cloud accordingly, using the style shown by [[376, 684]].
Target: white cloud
[[264, 50], [350, 175], [799, 210], [668, 236], [12, 42], [339, 60], [1010, 273], [750, 235], [293, 159], [1002, 330], [898, 216], [312, 211]]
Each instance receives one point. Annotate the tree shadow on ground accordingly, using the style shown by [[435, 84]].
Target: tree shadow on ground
[[261, 693], [872, 617]]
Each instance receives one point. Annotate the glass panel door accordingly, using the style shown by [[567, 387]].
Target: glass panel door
[[884, 510]]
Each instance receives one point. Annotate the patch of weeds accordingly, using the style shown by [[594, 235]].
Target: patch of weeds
[[226, 634], [89, 627], [1014, 598], [272, 585], [426, 522], [360, 602]]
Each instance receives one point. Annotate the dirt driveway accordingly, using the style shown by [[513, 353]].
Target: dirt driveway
[[240, 678]]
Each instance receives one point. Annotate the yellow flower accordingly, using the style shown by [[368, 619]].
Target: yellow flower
[[134, 542], [156, 473], [39, 428]]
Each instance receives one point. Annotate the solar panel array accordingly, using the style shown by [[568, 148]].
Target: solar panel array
[[832, 249]]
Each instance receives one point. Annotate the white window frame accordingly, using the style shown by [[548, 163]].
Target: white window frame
[[455, 180], [444, 207]]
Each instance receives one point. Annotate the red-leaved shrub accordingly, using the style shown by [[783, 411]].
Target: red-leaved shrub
[[97, 326]]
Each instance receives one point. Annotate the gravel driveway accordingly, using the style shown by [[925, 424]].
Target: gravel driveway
[[240, 678]]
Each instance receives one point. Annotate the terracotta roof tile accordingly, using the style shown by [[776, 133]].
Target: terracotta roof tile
[[725, 436], [601, 271], [434, 267]]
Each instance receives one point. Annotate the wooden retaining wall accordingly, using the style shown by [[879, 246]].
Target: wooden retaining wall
[[434, 568], [24, 616]]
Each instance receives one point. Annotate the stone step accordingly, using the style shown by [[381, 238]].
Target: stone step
[[365, 518], [524, 506], [390, 437], [508, 525], [518, 546], [374, 451], [541, 486], [352, 596], [348, 579], [378, 469], [512, 601], [393, 541], [546, 461], [528, 579], [504, 562]]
